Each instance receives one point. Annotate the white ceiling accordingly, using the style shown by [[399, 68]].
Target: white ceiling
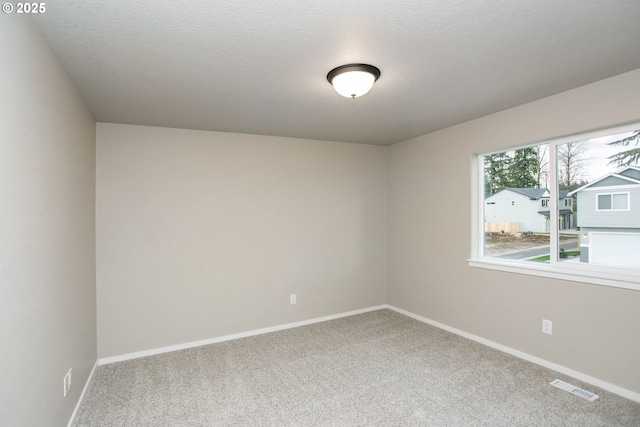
[[260, 67]]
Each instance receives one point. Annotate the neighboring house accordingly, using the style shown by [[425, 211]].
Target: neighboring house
[[529, 207], [610, 219]]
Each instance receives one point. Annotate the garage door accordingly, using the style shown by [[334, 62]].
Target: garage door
[[619, 249]]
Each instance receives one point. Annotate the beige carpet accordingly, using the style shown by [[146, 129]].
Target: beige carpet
[[378, 368]]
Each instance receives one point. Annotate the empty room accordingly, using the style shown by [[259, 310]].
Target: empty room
[[320, 213]]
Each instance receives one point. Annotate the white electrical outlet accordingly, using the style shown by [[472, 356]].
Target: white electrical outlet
[[547, 326], [292, 299], [67, 383]]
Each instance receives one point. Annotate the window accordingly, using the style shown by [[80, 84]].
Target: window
[[612, 202], [574, 217]]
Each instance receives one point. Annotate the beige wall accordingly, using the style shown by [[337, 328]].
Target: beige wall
[[204, 234], [595, 328], [47, 248]]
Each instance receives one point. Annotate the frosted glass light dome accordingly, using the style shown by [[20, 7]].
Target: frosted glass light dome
[[353, 80]]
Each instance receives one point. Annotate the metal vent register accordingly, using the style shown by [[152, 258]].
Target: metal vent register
[[574, 390]]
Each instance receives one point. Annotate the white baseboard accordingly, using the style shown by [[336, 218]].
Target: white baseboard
[[84, 390], [559, 368], [145, 353]]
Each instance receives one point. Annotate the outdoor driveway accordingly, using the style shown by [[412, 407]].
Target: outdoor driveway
[[567, 245]]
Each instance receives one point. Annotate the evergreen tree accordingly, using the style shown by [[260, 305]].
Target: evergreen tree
[[496, 167], [523, 168], [627, 157], [573, 186], [519, 169]]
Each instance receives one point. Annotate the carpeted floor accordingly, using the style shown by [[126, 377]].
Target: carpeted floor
[[374, 369]]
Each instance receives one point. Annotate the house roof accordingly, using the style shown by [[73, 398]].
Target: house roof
[[631, 172], [561, 212], [622, 174], [536, 193], [532, 193]]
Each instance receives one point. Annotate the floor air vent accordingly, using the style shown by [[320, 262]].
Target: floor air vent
[[574, 390]]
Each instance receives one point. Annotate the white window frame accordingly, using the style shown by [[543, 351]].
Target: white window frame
[[628, 278], [598, 209]]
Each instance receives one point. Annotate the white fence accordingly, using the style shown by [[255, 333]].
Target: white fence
[[500, 227]]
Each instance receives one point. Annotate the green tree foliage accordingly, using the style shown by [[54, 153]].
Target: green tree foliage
[[496, 169], [627, 157], [517, 169], [523, 168], [573, 186]]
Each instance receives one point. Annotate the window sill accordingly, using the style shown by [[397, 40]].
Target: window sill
[[563, 272]]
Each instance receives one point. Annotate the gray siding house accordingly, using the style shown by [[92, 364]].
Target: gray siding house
[[609, 219]]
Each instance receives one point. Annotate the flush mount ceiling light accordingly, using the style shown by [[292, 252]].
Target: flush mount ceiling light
[[353, 80]]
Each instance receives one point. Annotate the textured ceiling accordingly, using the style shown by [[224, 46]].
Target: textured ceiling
[[260, 67]]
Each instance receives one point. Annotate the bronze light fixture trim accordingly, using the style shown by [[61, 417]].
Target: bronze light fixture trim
[[353, 80]]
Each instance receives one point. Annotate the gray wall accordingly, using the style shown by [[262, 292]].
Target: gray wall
[[595, 328], [47, 248], [204, 234]]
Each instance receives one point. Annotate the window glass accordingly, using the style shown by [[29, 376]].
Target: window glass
[[620, 201], [604, 201], [516, 204], [598, 173], [576, 197]]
